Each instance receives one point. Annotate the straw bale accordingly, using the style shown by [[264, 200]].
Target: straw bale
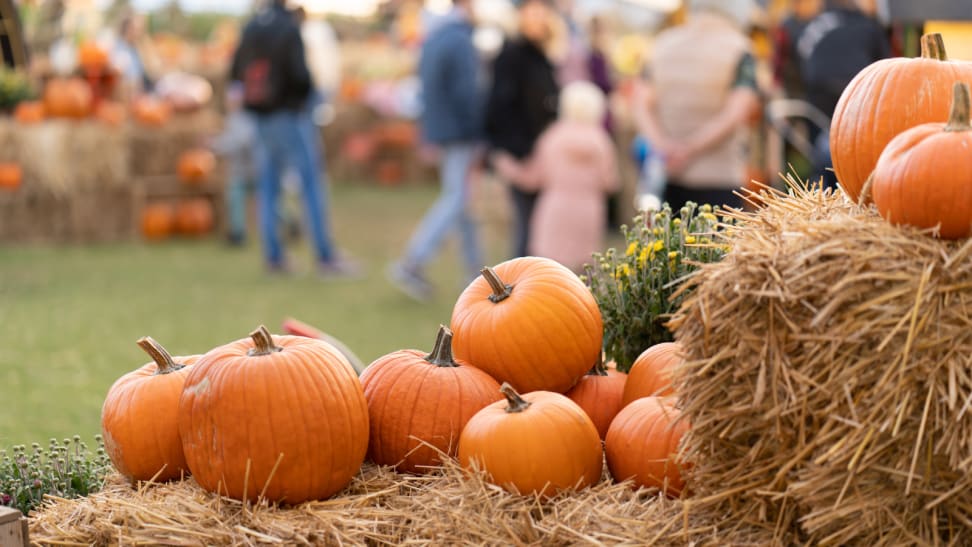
[[155, 150], [828, 378]]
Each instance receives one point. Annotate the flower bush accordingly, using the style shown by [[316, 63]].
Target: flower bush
[[636, 289]]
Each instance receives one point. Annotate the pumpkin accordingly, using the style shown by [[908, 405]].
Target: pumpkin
[[883, 100], [110, 113], [150, 111], [924, 176], [196, 165], [358, 148], [29, 112], [530, 322], [278, 417], [540, 443], [599, 394], [92, 57], [158, 221], [68, 98], [642, 444], [139, 419], [399, 135], [651, 373], [389, 172], [11, 176], [418, 404], [194, 217]]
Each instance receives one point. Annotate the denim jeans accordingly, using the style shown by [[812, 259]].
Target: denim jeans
[[287, 138], [448, 213]]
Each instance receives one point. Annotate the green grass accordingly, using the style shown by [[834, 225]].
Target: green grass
[[69, 316]]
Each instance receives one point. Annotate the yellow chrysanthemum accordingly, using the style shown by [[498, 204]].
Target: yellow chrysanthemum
[[672, 255], [622, 271], [643, 257], [658, 246], [677, 222], [632, 248], [690, 240]]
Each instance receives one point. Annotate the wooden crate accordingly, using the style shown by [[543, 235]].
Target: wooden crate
[[13, 528]]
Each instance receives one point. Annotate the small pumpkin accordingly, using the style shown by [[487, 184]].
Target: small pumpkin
[[599, 393], [530, 322], [924, 176], [68, 98], [651, 373], [643, 442], [29, 112], [194, 217], [540, 443], [150, 111], [158, 221], [11, 176], [419, 403], [139, 418], [196, 165], [92, 57], [883, 100], [278, 417], [111, 113]]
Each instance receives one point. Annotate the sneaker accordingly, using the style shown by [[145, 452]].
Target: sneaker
[[410, 282], [234, 239], [339, 268]]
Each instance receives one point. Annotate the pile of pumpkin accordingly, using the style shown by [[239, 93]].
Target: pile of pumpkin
[[516, 389], [186, 216]]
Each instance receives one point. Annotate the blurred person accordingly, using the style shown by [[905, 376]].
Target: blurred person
[[786, 60], [236, 144], [575, 166], [523, 100], [599, 70], [452, 120], [572, 62], [127, 58], [699, 91], [837, 44], [323, 54], [270, 63]]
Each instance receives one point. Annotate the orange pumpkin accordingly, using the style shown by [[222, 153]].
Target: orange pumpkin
[[530, 322], [29, 112], [11, 176], [158, 221], [651, 373], [400, 135], [196, 165], [418, 404], [92, 57], [599, 394], [538, 443], [358, 147], [151, 111], [924, 176], [279, 416], [389, 172], [194, 217], [110, 113], [139, 419], [68, 98], [643, 442], [883, 100]]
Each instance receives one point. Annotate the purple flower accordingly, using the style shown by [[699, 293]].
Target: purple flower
[[5, 499]]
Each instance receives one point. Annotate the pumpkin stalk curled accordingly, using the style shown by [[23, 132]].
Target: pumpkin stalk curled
[[517, 403], [598, 369], [501, 291], [958, 118], [158, 354], [933, 47], [441, 355], [264, 342]]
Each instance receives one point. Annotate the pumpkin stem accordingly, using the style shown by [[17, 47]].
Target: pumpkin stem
[[158, 354], [598, 369], [517, 403], [958, 118], [933, 47], [501, 291], [264, 342], [441, 355]]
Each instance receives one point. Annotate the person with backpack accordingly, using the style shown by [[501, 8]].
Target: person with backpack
[[270, 64]]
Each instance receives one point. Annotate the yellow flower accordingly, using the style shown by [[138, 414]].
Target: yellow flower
[[690, 240], [622, 271], [706, 208], [643, 257], [658, 246], [672, 255], [632, 248], [709, 216], [677, 222], [657, 231]]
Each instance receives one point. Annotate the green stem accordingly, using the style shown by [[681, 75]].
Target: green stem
[[933, 47], [501, 291], [158, 354], [517, 403], [958, 118], [598, 369], [441, 355], [263, 341]]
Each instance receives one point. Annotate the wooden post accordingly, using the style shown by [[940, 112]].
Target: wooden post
[[13, 528]]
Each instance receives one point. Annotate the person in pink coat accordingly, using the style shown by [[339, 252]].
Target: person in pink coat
[[574, 167]]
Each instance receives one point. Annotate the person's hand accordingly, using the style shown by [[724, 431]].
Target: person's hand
[[506, 166], [677, 158]]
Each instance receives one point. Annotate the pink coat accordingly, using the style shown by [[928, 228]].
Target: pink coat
[[573, 166]]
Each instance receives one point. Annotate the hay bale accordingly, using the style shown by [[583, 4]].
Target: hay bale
[[155, 150], [829, 378]]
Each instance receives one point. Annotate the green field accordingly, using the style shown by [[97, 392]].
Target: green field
[[70, 315]]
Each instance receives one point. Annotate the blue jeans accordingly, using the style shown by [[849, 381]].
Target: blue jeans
[[287, 138], [448, 212]]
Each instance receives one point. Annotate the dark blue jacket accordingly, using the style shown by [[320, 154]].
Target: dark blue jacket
[[452, 102]]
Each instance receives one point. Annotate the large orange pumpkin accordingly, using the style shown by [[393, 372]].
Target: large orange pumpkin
[[530, 322], [68, 98], [158, 221], [29, 112], [924, 176], [150, 111], [599, 393], [92, 57], [139, 419], [418, 404], [279, 416], [538, 443], [196, 165], [883, 100], [11, 176], [651, 373], [111, 113], [642, 444], [194, 217]]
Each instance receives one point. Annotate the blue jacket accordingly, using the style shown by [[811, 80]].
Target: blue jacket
[[452, 101]]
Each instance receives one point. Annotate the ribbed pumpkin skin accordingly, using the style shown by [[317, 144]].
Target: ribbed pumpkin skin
[[883, 100], [140, 425], [651, 373], [543, 337], [304, 402], [642, 444], [549, 447], [411, 399], [600, 397]]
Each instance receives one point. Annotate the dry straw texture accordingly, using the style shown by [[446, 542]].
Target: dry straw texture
[[829, 378]]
